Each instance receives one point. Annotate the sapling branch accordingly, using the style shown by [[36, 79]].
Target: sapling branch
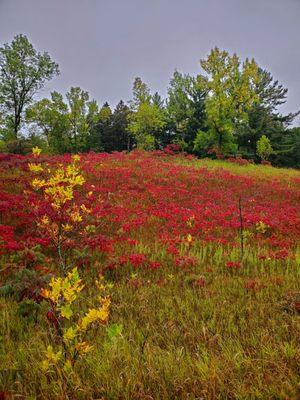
[[241, 227]]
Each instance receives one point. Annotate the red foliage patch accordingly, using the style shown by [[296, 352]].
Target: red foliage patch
[[146, 198]]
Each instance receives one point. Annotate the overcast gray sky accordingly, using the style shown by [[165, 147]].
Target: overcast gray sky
[[102, 45]]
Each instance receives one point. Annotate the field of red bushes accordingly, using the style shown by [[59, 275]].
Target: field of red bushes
[[153, 199]]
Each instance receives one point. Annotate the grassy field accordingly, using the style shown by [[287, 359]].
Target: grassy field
[[201, 259]]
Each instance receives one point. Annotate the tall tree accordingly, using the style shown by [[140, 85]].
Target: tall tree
[[141, 94], [147, 118], [100, 134], [264, 117], [23, 71], [185, 109], [111, 133], [288, 151], [67, 127], [78, 101], [50, 119], [158, 100], [120, 137], [230, 87], [146, 125]]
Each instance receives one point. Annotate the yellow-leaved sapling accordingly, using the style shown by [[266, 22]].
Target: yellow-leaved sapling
[[73, 328], [64, 217]]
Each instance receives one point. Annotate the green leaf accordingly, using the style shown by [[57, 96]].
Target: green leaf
[[114, 330], [66, 311]]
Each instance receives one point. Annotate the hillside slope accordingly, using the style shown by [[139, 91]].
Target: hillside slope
[[204, 260]]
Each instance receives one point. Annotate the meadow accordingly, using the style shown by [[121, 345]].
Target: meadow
[[198, 263]]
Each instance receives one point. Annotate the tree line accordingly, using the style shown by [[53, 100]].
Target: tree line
[[229, 109]]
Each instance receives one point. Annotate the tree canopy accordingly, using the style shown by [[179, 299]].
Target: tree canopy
[[23, 72], [231, 108]]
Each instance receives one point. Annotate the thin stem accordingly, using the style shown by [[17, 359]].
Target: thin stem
[[241, 227], [59, 250]]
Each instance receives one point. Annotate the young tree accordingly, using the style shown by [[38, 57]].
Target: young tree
[[264, 148], [230, 88], [23, 71]]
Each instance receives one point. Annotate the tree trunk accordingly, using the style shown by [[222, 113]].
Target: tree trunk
[[17, 125]]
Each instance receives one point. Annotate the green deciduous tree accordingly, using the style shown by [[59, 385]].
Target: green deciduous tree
[[78, 102], [50, 119], [264, 148], [230, 87], [146, 124], [66, 126], [147, 118], [23, 71]]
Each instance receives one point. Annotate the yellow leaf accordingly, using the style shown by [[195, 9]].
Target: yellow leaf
[[36, 151], [45, 365], [35, 167], [70, 334], [51, 356], [189, 238]]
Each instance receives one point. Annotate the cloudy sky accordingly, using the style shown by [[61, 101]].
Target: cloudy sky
[[102, 45]]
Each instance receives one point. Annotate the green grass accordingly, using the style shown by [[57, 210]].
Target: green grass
[[254, 170], [177, 340]]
